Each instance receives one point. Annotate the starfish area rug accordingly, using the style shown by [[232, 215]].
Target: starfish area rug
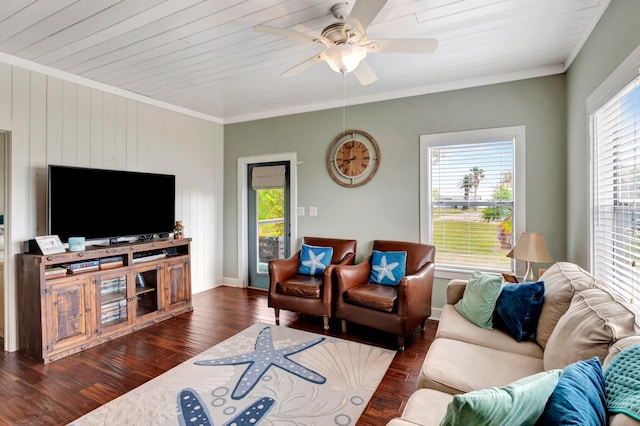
[[266, 375]]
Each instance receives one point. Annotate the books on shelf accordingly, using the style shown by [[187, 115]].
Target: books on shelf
[[55, 272], [111, 262]]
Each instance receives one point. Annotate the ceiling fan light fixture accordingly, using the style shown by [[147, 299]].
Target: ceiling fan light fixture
[[344, 58]]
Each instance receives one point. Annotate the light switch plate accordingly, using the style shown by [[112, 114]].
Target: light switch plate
[[300, 211], [313, 211]]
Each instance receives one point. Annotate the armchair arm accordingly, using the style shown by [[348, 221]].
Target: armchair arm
[[455, 290], [348, 276], [283, 269], [414, 292]]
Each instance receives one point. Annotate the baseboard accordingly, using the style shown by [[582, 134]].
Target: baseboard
[[231, 282], [435, 314]]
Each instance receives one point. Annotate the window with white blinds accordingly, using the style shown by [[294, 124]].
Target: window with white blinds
[[615, 219], [469, 199]]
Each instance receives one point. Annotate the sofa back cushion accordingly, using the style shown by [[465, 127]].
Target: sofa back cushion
[[595, 319], [561, 281]]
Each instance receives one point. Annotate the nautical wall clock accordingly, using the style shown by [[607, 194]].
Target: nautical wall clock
[[353, 158]]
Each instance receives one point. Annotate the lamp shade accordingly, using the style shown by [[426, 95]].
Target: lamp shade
[[344, 58], [531, 247]]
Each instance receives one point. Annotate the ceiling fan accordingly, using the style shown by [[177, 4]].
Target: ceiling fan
[[346, 43]]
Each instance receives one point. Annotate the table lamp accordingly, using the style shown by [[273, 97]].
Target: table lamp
[[530, 247]]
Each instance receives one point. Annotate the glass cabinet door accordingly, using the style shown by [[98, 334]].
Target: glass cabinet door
[[112, 300], [146, 291]]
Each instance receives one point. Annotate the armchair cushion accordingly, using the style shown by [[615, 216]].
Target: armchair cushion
[[308, 286], [388, 267], [314, 259], [373, 296]]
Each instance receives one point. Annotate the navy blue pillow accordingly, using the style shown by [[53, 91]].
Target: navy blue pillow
[[579, 396], [518, 309]]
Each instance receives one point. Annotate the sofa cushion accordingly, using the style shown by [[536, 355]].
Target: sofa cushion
[[578, 399], [518, 309], [452, 325], [518, 403], [479, 299], [454, 367], [314, 259], [426, 407], [595, 319], [388, 267], [561, 281]]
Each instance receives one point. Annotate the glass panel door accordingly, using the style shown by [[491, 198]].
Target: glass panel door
[[268, 205]]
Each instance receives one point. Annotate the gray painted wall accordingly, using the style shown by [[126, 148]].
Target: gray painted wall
[[388, 206], [614, 38]]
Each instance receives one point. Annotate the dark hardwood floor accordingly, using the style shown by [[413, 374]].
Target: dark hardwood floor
[[36, 394]]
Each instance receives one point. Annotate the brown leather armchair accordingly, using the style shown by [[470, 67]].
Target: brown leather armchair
[[307, 294], [393, 309]]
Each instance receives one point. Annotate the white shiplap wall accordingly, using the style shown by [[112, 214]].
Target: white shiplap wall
[[51, 121]]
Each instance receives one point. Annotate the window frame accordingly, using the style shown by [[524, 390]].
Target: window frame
[[518, 134], [611, 87]]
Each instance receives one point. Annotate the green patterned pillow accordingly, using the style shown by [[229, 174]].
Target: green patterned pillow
[[519, 403], [479, 299]]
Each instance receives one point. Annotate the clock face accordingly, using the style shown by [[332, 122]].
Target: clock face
[[353, 158]]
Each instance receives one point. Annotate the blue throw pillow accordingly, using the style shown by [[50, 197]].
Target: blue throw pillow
[[579, 396], [314, 260], [518, 309], [388, 267]]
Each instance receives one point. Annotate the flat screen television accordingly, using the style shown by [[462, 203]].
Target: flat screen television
[[109, 204]]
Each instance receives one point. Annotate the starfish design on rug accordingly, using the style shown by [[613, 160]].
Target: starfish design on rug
[[314, 262], [384, 270], [262, 358], [193, 411]]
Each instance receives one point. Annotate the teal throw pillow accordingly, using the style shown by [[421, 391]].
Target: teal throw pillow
[[579, 397], [388, 267], [519, 403], [518, 309], [314, 260], [479, 299]]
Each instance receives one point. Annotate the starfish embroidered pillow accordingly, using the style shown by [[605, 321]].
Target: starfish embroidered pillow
[[314, 259], [388, 267]]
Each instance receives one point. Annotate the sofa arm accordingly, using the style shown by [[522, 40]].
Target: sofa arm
[[455, 290]]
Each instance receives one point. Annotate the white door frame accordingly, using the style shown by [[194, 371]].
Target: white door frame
[[243, 221]]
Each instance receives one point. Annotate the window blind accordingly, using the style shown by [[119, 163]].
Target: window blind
[[471, 204], [615, 133], [267, 177]]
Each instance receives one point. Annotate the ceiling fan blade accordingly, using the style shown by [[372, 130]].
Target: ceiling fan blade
[[363, 12], [287, 33], [407, 45], [365, 74], [303, 66]]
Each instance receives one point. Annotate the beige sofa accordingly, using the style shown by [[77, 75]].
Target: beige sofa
[[580, 319]]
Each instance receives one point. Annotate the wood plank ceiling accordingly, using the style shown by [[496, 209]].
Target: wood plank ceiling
[[204, 55]]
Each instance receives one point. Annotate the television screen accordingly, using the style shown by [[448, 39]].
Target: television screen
[[101, 204]]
